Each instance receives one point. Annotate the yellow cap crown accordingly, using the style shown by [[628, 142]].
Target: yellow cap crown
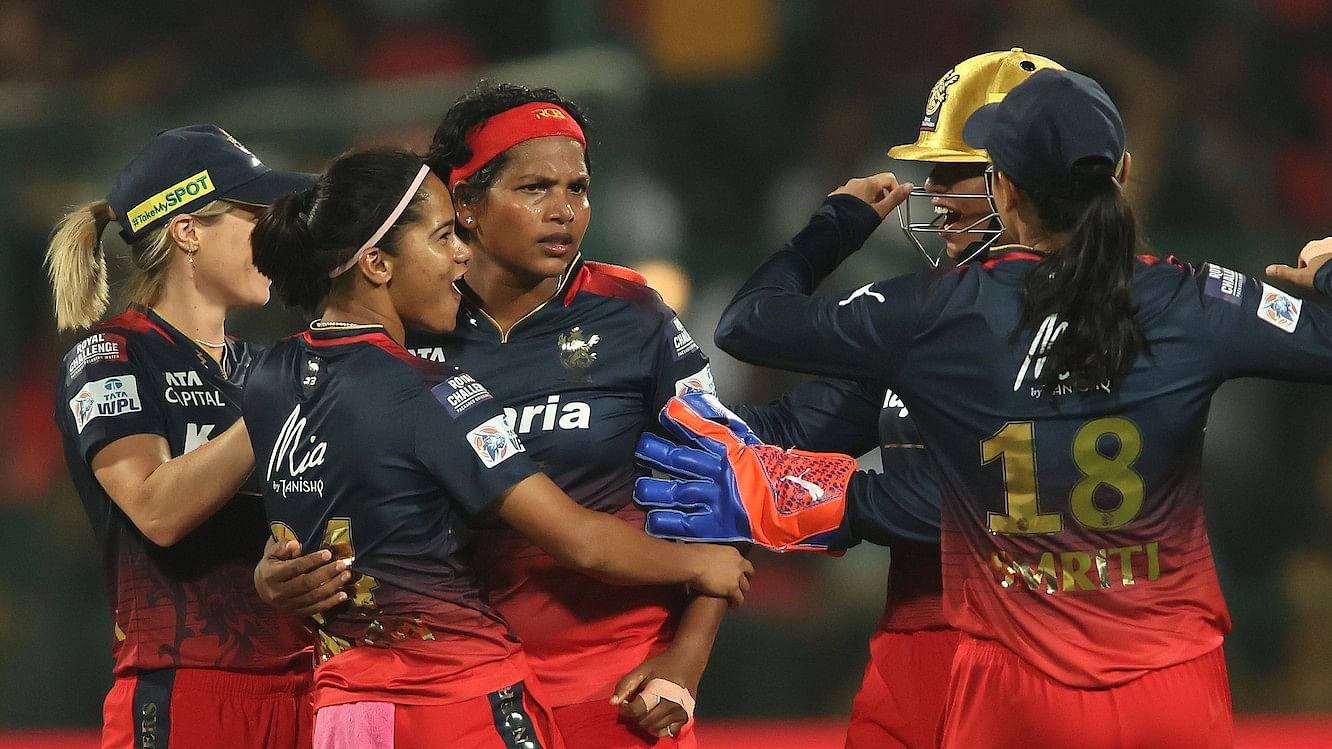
[[971, 84]]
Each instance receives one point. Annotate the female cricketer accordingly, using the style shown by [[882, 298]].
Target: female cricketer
[[581, 355], [1062, 385], [149, 409], [386, 458]]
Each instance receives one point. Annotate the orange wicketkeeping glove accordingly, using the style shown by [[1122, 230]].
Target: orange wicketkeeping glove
[[727, 485]]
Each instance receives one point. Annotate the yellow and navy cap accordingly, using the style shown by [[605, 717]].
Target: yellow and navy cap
[[185, 168], [968, 86]]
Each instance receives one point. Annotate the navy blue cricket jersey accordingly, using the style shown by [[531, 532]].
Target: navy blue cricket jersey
[[369, 451], [193, 604], [1072, 520], [581, 378]]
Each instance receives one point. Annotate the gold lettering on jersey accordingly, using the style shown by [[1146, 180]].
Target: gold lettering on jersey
[[1077, 570]]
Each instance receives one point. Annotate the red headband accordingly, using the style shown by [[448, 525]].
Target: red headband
[[511, 127]]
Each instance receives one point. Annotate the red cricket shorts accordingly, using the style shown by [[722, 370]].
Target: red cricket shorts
[[508, 718], [178, 708], [901, 701], [597, 725], [996, 700]]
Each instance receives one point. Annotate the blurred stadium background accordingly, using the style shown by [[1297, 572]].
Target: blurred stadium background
[[718, 125]]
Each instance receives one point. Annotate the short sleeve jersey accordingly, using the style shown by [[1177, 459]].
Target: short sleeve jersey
[[191, 605], [580, 378], [363, 449], [1073, 525]]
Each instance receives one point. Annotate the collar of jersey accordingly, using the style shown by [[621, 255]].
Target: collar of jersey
[[567, 281], [570, 274], [336, 330], [1009, 252], [179, 338]]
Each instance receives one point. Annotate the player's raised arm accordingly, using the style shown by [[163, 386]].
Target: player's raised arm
[[774, 321]]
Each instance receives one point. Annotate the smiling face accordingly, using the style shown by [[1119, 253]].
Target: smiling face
[[430, 260], [954, 214], [535, 213]]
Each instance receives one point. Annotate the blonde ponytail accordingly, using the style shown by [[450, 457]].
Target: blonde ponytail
[[76, 265]]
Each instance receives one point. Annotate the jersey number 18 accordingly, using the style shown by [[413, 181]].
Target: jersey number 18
[[1014, 445]]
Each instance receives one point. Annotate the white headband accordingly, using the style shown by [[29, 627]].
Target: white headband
[[388, 223]]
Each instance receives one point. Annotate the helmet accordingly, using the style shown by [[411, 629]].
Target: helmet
[[966, 87]]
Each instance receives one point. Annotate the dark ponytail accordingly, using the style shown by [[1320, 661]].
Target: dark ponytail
[[303, 237], [1086, 284]]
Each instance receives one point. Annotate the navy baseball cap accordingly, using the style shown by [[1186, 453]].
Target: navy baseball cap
[[184, 169], [1046, 124]]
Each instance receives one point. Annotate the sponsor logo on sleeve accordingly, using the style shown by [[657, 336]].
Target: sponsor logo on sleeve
[[113, 396], [684, 343], [1278, 308], [97, 347], [1224, 284], [459, 393], [698, 382], [494, 441]]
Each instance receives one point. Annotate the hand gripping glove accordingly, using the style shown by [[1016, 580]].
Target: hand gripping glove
[[729, 486]]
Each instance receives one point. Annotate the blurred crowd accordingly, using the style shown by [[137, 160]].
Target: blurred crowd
[[717, 128]]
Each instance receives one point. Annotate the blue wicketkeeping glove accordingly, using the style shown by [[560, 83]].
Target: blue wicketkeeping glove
[[729, 486]]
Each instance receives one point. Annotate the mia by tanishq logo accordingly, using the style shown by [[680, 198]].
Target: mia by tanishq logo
[[294, 454], [1049, 330]]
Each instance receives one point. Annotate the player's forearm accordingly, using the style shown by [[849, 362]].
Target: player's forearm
[[180, 494], [698, 627], [607, 548]]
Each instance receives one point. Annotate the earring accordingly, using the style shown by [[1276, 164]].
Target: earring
[[470, 220], [190, 253]]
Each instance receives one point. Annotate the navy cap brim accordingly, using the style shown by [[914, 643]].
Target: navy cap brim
[[977, 129], [269, 186]]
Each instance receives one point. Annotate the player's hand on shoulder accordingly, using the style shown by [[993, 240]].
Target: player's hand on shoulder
[[1311, 258], [722, 572], [882, 191]]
